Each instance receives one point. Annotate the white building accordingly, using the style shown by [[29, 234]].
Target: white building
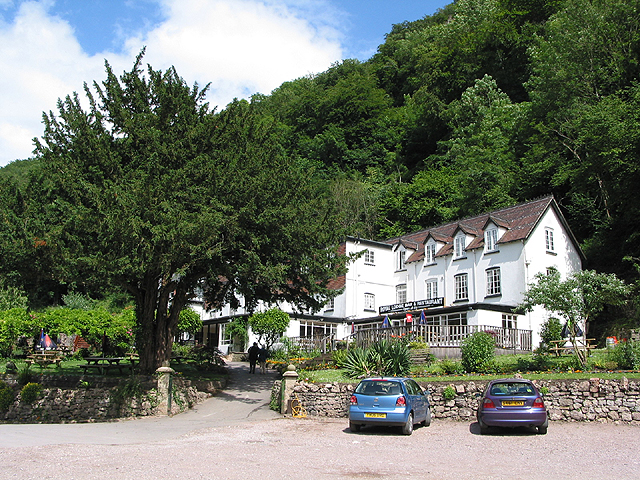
[[452, 279]]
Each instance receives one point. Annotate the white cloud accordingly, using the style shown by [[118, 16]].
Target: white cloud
[[240, 46]]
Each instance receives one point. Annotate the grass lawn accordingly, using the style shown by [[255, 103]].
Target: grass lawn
[[529, 366]]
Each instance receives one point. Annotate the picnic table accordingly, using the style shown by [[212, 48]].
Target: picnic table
[[44, 359], [103, 364], [559, 347]]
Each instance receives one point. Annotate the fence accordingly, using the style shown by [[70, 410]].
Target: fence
[[445, 335]]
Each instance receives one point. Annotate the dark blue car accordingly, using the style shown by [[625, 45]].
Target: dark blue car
[[512, 402], [389, 401]]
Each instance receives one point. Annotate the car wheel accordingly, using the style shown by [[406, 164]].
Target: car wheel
[[542, 429], [427, 420], [354, 427], [408, 427], [484, 429]]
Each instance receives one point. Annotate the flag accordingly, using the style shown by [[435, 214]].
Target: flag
[[353, 328], [385, 323], [409, 318], [423, 320]]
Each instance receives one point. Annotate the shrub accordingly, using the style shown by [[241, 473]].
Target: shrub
[[30, 392], [6, 396], [551, 330], [382, 358], [24, 374], [451, 367], [338, 357], [477, 351], [449, 393], [626, 355]]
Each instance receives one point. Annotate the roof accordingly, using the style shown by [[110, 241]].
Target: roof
[[519, 222]]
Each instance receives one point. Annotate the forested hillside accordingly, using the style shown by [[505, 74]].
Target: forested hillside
[[484, 104]]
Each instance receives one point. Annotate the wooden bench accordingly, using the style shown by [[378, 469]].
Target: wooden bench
[[43, 360], [586, 344]]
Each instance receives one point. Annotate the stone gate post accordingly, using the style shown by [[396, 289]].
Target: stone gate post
[[165, 386], [289, 379]]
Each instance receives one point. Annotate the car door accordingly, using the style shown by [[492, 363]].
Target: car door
[[418, 400]]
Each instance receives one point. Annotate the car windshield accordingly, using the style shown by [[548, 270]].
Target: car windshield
[[512, 388], [379, 387]]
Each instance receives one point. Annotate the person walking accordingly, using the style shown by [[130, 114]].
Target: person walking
[[262, 360], [253, 357]]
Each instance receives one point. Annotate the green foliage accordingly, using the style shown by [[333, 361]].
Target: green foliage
[[80, 301], [551, 330], [385, 358], [25, 375], [237, 328], [12, 297], [338, 357], [451, 367], [13, 323], [478, 350], [189, 322], [6, 396], [269, 325], [30, 393], [449, 393], [626, 355]]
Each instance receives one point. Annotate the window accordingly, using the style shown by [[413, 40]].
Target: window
[[431, 289], [548, 238], [459, 245], [430, 253], [401, 293], [461, 287], [314, 329], [369, 257], [491, 240], [493, 282], [331, 304], [509, 321], [401, 257], [369, 301]]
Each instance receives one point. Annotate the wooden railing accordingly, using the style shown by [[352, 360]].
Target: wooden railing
[[445, 335]]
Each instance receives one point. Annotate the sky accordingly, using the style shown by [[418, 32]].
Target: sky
[[50, 48]]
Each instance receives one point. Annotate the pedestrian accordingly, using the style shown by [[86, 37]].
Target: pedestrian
[[262, 360], [253, 357]]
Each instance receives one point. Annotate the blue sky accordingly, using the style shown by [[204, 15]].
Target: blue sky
[[48, 48]]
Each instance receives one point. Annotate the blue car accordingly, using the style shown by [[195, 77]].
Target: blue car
[[389, 401], [512, 402]]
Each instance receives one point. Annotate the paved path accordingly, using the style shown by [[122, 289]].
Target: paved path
[[246, 398]]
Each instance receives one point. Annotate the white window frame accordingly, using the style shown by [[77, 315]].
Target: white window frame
[[549, 240], [494, 283], [459, 243], [369, 257], [430, 253], [401, 259], [370, 302], [461, 286], [330, 305], [401, 293], [431, 288], [491, 240]]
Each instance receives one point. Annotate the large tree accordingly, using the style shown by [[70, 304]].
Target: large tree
[[151, 190]]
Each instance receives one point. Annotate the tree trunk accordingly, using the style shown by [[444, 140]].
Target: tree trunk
[[157, 313]]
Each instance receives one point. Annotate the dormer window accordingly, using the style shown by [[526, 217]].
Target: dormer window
[[430, 253], [401, 257], [459, 246], [491, 240]]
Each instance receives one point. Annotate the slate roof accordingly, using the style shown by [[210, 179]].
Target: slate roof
[[519, 221]]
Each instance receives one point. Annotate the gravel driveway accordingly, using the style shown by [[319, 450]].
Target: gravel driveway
[[237, 437]]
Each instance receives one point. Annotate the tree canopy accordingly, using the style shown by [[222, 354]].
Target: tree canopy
[[150, 190]]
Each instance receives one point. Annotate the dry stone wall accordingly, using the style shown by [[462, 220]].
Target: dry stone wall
[[72, 399], [595, 400]]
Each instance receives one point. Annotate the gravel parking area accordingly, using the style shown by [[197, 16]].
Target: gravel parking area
[[321, 449]]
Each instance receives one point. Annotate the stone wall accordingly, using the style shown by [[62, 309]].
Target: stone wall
[[577, 400], [73, 399]]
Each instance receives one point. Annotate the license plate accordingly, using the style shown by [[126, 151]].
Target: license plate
[[513, 403], [375, 415]]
